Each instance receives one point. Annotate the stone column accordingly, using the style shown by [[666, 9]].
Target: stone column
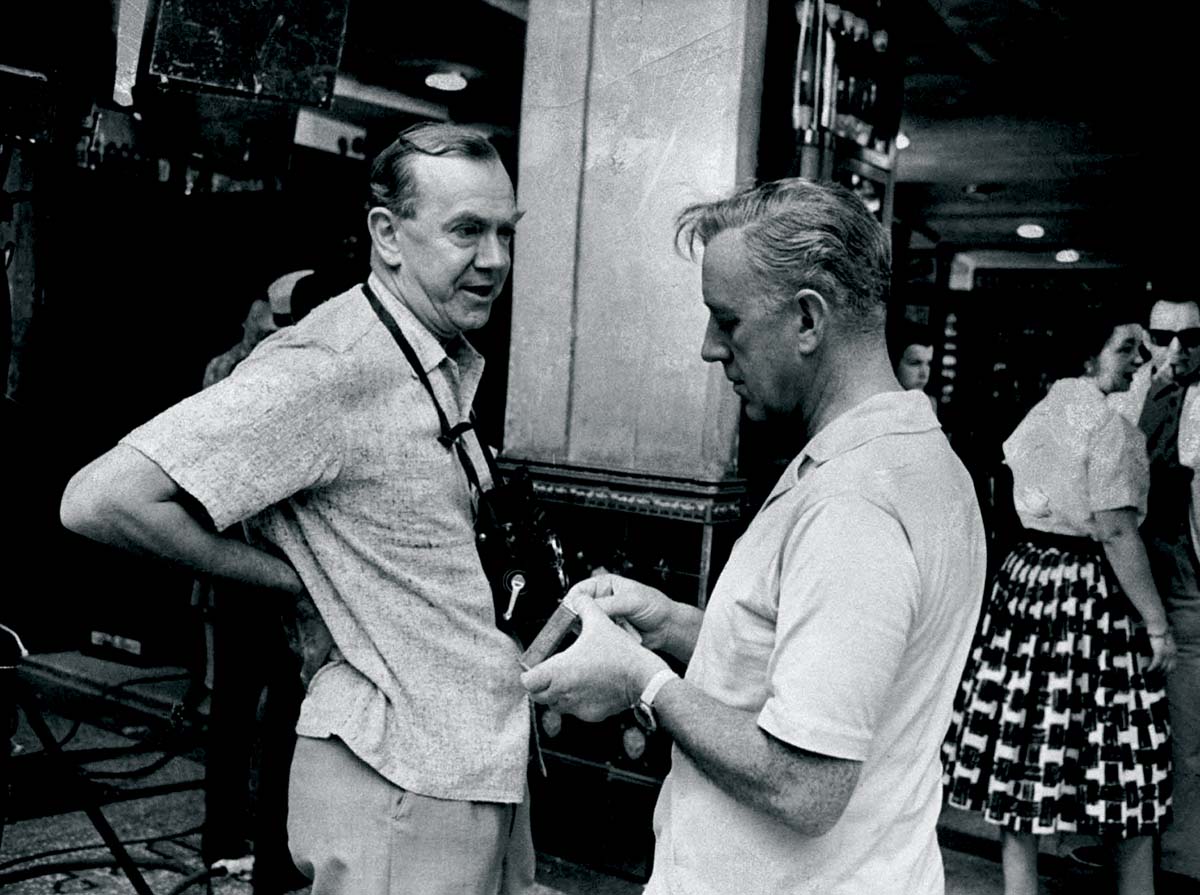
[[631, 110]]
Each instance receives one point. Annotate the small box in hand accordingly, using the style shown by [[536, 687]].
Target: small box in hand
[[564, 621]]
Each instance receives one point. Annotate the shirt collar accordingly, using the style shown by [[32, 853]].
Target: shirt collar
[[429, 348], [887, 413]]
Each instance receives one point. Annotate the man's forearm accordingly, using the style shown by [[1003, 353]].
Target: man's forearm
[[808, 792], [166, 529], [685, 630], [125, 500]]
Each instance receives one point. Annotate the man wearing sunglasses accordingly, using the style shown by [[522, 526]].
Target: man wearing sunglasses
[[1164, 402]]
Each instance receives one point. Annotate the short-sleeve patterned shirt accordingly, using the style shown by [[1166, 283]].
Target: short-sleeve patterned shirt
[[325, 441]]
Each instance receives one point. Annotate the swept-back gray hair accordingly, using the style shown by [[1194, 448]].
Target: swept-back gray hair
[[392, 182], [804, 235]]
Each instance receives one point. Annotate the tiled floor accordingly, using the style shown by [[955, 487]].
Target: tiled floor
[[164, 829], [158, 815], [160, 812]]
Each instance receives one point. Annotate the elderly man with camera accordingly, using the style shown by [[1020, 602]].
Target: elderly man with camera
[[330, 441]]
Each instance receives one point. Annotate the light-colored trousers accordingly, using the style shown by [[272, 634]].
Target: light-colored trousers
[[354, 833]]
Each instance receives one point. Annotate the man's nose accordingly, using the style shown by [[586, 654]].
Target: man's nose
[[713, 348], [492, 252]]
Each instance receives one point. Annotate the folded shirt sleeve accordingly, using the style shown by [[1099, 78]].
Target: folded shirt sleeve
[[265, 433]]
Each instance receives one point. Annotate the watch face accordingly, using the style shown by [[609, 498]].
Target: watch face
[[644, 715]]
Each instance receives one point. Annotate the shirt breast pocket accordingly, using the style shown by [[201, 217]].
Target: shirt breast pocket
[[422, 500]]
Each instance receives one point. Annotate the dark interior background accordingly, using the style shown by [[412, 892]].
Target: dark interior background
[[1065, 113]]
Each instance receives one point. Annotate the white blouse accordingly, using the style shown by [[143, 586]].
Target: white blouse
[[1072, 456]]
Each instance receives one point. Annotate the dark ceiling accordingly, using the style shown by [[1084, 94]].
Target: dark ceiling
[[1017, 110], [1050, 112], [395, 45], [1055, 112]]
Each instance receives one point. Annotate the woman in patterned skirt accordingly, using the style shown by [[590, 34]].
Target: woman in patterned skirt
[[1060, 724]]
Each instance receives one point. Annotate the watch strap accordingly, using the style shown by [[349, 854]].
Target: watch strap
[[655, 684], [643, 711]]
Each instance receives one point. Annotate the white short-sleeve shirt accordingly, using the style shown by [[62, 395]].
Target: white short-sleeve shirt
[[842, 619]]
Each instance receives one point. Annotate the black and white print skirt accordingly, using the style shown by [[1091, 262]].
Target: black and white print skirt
[[1055, 726]]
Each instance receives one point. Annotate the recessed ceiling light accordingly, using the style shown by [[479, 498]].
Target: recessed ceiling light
[[981, 192], [1031, 231], [1066, 256], [446, 80], [902, 141]]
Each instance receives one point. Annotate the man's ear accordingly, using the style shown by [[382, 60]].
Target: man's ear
[[812, 319], [384, 228]]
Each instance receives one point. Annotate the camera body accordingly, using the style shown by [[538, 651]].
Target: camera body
[[522, 557]]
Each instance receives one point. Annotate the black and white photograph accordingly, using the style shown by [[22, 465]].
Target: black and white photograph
[[599, 447]]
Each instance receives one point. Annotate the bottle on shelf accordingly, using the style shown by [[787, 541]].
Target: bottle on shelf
[[805, 85], [827, 87], [844, 89], [855, 70], [884, 100]]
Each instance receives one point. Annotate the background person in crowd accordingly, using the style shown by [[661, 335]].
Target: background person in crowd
[[259, 666], [1164, 402], [263, 317], [820, 677], [409, 768], [912, 356], [1060, 724], [911, 348]]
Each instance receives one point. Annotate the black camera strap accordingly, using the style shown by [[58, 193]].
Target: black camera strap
[[451, 436]]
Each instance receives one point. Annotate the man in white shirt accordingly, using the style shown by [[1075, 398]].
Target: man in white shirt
[[821, 675], [1164, 401]]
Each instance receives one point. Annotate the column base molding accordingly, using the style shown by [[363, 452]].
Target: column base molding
[[692, 500]]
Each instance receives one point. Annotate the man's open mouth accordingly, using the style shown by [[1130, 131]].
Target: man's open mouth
[[483, 290]]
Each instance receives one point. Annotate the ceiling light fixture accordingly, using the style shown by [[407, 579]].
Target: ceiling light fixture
[[981, 192], [446, 80], [1031, 231], [1066, 256]]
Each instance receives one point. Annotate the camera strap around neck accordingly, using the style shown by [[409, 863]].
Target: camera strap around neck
[[451, 436]]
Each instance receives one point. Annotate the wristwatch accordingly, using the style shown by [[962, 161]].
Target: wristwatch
[[643, 709]]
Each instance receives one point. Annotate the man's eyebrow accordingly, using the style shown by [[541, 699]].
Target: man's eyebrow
[[470, 217]]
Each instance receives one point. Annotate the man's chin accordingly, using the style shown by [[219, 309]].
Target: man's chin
[[757, 413], [474, 320]]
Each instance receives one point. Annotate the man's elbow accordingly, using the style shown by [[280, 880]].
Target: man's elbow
[[809, 820], [85, 504], [814, 803]]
